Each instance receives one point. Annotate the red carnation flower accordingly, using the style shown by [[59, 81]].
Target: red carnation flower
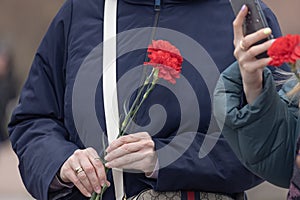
[[296, 54], [282, 50], [166, 58]]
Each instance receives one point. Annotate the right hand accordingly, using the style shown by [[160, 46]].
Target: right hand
[[91, 177], [251, 68], [134, 151]]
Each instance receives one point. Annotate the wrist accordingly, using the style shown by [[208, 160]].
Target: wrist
[[154, 172], [58, 184], [252, 85], [252, 92]]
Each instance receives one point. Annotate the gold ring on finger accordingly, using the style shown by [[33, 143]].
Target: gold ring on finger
[[78, 170]]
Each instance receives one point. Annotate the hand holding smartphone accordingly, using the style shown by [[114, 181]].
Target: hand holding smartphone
[[255, 19]]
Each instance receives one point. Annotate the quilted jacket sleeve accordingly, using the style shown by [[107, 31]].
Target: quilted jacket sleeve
[[262, 135], [37, 130]]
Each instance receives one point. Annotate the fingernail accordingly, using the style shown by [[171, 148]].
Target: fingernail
[[102, 183], [267, 31], [98, 189], [107, 165], [108, 184], [243, 7], [89, 195]]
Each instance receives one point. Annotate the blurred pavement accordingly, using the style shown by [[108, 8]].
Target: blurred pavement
[[11, 187]]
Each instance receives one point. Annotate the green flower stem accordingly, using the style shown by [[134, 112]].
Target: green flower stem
[[129, 117], [132, 113], [127, 120], [100, 196], [96, 196]]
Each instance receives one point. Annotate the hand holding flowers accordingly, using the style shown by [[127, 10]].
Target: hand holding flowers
[[136, 151]]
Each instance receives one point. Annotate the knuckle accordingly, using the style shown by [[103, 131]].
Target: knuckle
[[140, 146], [71, 160], [147, 143], [89, 149], [126, 147], [143, 133], [128, 138], [102, 176], [77, 152], [151, 143], [245, 43], [89, 169], [235, 23], [100, 168], [235, 53], [251, 52], [82, 175], [94, 181], [122, 140], [113, 143], [98, 163], [147, 135]]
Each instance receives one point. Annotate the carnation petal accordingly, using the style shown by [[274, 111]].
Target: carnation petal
[[165, 57]]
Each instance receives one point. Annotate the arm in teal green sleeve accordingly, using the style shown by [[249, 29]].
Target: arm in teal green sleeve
[[262, 135]]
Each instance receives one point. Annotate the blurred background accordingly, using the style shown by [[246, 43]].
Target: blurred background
[[23, 24]]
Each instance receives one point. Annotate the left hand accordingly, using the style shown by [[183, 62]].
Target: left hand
[[84, 170], [133, 151], [251, 68]]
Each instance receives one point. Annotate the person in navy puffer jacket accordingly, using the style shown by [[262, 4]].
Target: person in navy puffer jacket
[[174, 145]]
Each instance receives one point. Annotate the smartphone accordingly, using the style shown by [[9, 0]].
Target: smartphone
[[255, 19]]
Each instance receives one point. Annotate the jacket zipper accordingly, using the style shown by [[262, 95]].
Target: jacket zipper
[[157, 8], [157, 5]]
